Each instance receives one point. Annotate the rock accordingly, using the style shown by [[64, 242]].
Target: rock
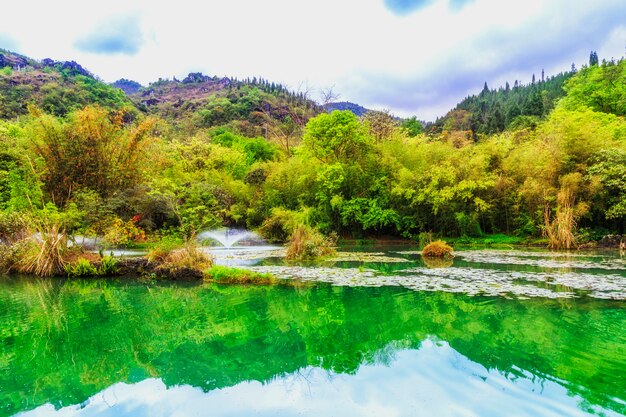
[[133, 267], [195, 77], [179, 274], [12, 61], [611, 240]]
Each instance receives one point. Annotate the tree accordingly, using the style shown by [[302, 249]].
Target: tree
[[413, 126], [91, 150], [381, 124], [609, 166], [593, 58], [336, 136]]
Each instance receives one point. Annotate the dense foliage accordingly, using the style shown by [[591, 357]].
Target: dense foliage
[[250, 154], [492, 111]]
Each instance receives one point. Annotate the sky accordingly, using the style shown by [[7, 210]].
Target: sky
[[412, 57]]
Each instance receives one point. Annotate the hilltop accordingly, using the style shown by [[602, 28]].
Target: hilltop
[[254, 107], [357, 109], [251, 106], [57, 87]]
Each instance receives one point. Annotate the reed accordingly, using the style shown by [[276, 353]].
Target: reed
[[46, 256], [307, 243]]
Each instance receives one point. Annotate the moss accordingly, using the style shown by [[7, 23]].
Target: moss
[[227, 275]]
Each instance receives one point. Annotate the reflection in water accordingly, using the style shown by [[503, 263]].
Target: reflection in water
[[432, 381], [112, 343]]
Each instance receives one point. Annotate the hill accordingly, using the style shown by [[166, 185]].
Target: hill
[[346, 105], [254, 107], [57, 87], [493, 111]]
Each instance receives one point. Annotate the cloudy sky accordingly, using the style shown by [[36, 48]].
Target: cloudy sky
[[413, 57]]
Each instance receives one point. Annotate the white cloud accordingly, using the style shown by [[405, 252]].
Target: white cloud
[[419, 63]]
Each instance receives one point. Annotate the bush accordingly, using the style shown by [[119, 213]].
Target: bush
[[188, 257], [437, 249], [280, 225], [80, 268], [122, 233], [424, 238], [108, 265], [13, 227], [11, 255], [307, 243]]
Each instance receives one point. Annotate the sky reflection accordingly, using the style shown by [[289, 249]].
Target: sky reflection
[[435, 380]]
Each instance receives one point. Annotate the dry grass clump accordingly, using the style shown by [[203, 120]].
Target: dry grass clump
[[307, 243], [46, 254], [437, 249], [561, 231], [186, 257]]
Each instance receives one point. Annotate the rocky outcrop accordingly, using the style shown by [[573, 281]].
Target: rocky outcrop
[[196, 77], [13, 61], [136, 267], [127, 86]]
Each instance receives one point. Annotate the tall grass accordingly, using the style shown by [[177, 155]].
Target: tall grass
[[46, 255], [307, 243], [187, 256], [561, 231]]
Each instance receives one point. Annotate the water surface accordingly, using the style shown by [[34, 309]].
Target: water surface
[[121, 348]]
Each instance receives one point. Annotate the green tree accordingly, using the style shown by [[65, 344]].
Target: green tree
[[338, 136]]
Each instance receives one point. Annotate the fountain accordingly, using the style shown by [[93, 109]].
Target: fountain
[[236, 247], [228, 237]]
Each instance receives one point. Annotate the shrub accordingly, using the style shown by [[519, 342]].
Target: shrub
[[13, 227], [189, 256], [80, 268], [108, 265], [122, 233], [424, 238], [307, 243], [280, 225], [437, 249], [11, 255]]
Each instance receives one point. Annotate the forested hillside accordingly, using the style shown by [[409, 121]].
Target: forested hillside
[[53, 86], [545, 159], [493, 111]]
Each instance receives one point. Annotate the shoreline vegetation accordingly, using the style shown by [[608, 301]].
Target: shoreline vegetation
[[537, 164], [48, 254]]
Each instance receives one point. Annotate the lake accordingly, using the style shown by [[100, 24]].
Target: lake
[[375, 332]]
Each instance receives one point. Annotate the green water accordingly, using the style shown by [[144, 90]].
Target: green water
[[118, 348]]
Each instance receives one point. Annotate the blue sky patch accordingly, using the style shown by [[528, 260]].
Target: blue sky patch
[[118, 35], [404, 7]]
